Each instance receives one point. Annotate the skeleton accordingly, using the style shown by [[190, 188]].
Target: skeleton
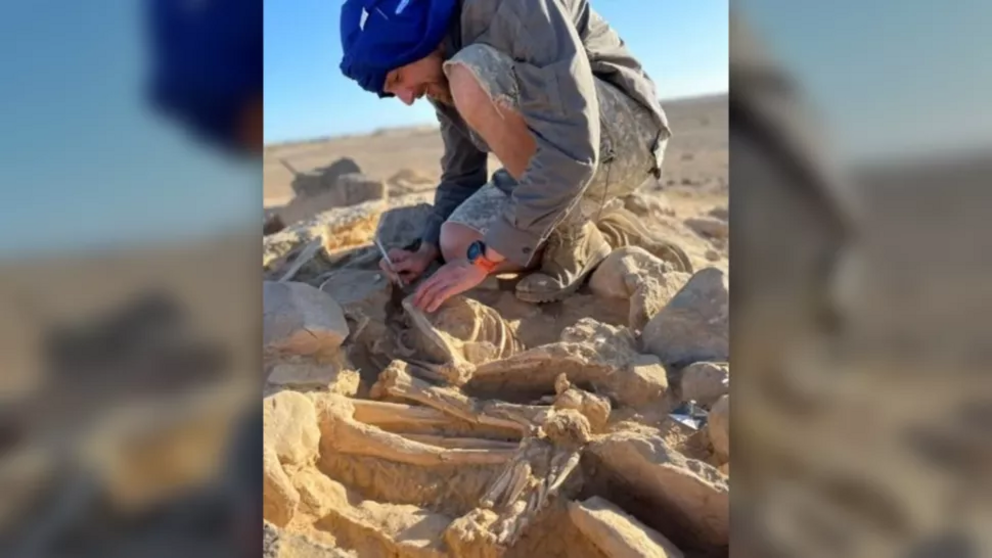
[[528, 482], [342, 433], [395, 381], [463, 333]]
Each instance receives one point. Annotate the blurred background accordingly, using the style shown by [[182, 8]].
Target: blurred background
[[129, 299], [861, 152]]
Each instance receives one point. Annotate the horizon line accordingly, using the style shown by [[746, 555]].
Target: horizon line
[[282, 143]]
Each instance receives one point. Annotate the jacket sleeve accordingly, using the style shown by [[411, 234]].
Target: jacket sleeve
[[463, 172], [558, 101]]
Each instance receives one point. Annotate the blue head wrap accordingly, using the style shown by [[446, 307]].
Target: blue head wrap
[[379, 36], [206, 62]]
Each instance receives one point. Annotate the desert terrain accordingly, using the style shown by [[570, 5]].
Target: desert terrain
[[593, 426]]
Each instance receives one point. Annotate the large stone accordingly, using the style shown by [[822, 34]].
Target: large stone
[[705, 382], [317, 181], [708, 227], [401, 226], [616, 534], [694, 325], [291, 428], [333, 374], [279, 498], [300, 319], [279, 544], [355, 188], [686, 500], [645, 280], [718, 428]]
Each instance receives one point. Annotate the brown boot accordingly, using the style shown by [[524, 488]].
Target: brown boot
[[571, 253], [622, 228]]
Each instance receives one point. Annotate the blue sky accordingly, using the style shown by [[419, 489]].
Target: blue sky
[[892, 78], [85, 163], [682, 44]]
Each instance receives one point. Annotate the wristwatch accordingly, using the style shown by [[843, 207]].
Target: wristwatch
[[477, 257]]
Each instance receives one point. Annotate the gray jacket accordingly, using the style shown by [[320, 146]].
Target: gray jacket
[[562, 42]]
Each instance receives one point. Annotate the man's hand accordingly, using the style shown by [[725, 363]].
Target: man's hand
[[409, 265], [453, 278]]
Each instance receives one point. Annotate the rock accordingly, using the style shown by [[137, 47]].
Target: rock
[[356, 188], [617, 534], [334, 374], [712, 255], [401, 226], [279, 498], [694, 325], [689, 499], [319, 494], [644, 205], [272, 224], [300, 319], [708, 227], [291, 427], [634, 274], [337, 230], [320, 180], [720, 213], [279, 544], [718, 427], [705, 382]]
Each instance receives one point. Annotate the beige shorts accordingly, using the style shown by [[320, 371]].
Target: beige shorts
[[628, 140]]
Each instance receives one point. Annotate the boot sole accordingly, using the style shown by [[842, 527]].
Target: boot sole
[[555, 296]]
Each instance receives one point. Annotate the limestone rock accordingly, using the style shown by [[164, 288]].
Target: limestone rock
[[708, 227], [718, 427], [279, 498], [617, 534], [299, 319], [291, 427], [400, 226], [720, 213], [334, 374], [645, 205], [694, 325], [705, 382], [279, 544], [320, 180], [644, 279], [691, 498]]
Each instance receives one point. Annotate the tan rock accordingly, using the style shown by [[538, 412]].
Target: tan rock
[[705, 382], [617, 534], [709, 227], [299, 319], [334, 374], [291, 427], [692, 496], [279, 498], [645, 280], [694, 325], [718, 428]]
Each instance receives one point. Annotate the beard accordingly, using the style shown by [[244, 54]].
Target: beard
[[441, 93]]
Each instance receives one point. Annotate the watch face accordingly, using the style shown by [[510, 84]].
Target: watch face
[[475, 250]]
